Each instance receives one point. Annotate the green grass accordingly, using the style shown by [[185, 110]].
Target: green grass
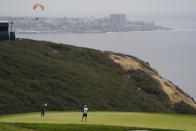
[[125, 119], [10, 127], [73, 127]]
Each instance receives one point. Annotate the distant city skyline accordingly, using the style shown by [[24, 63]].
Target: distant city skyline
[[100, 8]]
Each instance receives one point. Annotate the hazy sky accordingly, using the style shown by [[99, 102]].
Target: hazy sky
[[97, 8]]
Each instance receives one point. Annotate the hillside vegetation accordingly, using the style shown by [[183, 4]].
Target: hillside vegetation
[[67, 77]]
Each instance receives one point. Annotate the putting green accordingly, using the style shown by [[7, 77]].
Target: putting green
[[132, 119]]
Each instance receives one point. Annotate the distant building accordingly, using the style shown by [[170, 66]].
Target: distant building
[[117, 20], [5, 34]]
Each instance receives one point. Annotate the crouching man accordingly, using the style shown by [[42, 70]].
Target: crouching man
[[43, 109]]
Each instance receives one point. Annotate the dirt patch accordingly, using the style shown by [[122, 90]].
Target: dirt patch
[[170, 89], [56, 51], [126, 62]]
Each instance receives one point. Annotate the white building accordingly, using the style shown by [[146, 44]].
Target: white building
[[117, 20]]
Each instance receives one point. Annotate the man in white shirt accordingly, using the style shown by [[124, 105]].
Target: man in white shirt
[[85, 111]]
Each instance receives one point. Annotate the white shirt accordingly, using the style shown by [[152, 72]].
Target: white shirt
[[85, 110]]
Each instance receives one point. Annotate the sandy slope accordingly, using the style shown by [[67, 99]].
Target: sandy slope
[[169, 88]]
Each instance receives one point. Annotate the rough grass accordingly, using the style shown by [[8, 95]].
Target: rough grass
[[126, 119], [73, 127], [11, 127]]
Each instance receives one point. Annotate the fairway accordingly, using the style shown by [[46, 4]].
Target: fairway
[[131, 119]]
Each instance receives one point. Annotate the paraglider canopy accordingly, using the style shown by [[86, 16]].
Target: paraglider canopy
[[38, 5]]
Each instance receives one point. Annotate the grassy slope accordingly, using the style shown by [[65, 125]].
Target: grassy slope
[[67, 77], [147, 120]]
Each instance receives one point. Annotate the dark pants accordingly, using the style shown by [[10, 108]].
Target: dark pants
[[42, 112], [84, 115]]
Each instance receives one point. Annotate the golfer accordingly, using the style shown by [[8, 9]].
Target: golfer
[[43, 109], [85, 111]]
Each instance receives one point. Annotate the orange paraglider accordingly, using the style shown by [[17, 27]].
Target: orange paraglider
[[38, 5]]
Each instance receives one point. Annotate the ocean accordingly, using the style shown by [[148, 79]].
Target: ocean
[[172, 53]]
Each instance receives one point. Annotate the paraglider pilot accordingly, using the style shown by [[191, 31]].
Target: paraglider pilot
[[36, 6]]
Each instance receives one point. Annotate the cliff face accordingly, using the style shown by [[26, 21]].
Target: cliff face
[[67, 77], [174, 93]]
